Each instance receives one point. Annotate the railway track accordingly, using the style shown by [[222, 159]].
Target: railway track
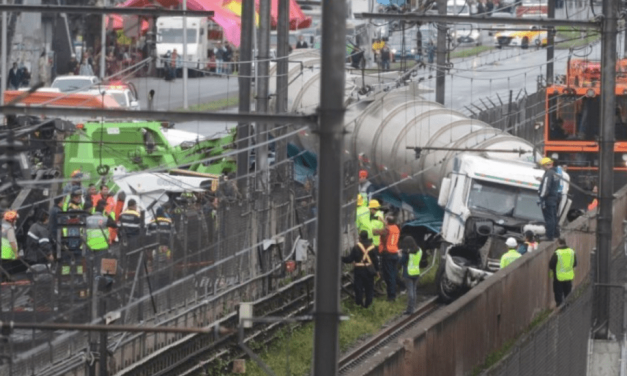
[[374, 344]]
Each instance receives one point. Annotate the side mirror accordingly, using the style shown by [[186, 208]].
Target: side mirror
[[135, 105]]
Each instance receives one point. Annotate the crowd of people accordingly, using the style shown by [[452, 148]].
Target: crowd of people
[[18, 77]]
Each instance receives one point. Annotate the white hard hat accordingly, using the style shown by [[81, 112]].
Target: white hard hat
[[511, 242]]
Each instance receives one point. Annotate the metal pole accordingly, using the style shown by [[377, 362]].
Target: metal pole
[[103, 42], [327, 293], [3, 84], [261, 154], [102, 362], [441, 55], [185, 104], [283, 31], [245, 72], [550, 45], [606, 168]]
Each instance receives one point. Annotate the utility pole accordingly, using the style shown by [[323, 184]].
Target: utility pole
[[3, 79], [261, 153], [283, 31], [550, 45], [103, 42], [606, 167], [185, 104], [330, 174], [441, 55], [244, 78]]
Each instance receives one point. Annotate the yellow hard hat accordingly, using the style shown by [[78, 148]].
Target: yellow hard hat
[[374, 204], [545, 161], [360, 200]]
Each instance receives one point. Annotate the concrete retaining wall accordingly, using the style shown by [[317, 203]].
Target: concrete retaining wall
[[460, 336]]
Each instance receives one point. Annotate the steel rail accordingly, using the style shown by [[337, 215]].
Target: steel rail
[[388, 334], [480, 20], [104, 10], [160, 115]]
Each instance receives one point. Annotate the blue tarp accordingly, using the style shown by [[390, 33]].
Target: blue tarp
[[395, 2]]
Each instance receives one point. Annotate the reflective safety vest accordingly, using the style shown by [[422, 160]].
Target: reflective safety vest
[[365, 261], [509, 257], [130, 222], [162, 226], [97, 232], [391, 243], [376, 224], [413, 266], [362, 221], [565, 264], [7, 250]]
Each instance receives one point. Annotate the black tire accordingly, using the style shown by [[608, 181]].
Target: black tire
[[445, 293], [525, 43]]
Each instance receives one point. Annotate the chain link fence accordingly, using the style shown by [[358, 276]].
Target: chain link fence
[[215, 258]]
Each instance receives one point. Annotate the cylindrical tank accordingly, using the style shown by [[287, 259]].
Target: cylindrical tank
[[381, 128]]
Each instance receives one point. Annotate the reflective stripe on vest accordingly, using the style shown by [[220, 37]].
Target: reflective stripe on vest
[[509, 257], [413, 266], [391, 243], [7, 250], [97, 232], [365, 260], [565, 264]]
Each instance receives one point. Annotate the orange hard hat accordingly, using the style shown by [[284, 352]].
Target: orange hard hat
[[363, 174], [10, 216], [77, 174]]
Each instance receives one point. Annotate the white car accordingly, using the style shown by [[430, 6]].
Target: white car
[[122, 94], [70, 84]]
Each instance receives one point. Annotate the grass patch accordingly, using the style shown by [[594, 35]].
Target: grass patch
[[297, 344], [470, 52], [495, 356], [216, 105], [573, 38]]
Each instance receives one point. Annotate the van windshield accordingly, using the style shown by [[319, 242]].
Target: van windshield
[[176, 36]]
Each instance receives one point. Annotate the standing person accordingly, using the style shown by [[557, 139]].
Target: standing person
[[376, 221], [54, 213], [362, 218], [25, 82], [129, 230], [72, 65], [366, 264], [160, 230], [44, 69], [365, 187], [173, 62], [562, 267], [430, 53], [117, 210], [388, 249], [85, 68], [219, 58], [512, 254], [301, 43], [38, 245], [227, 57], [385, 57], [10, 255], [410, 260], [13, 82], [549, 198], [529, 245], [564, 186], [97, 236], [105, 195]]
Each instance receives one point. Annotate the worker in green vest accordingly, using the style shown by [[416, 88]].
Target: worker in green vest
[[376, 221], [512, 254], [362, 219], [97, 233], [410, 260], [10, 254], [562, 266]]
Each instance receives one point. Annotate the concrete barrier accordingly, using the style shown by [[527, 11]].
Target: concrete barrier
[[459, 337]]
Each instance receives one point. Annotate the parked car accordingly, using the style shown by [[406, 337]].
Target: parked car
[[467, 34], [68, 84]]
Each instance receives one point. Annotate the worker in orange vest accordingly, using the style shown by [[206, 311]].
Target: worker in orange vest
[[595, 202], [388, 249]]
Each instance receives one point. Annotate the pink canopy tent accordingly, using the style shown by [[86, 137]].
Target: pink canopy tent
[[298, 20], [229, 22]]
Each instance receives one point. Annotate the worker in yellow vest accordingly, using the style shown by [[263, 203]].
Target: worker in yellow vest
[[376, 221], [562, 266], [362, 218], [512, 254], [410, 260]]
